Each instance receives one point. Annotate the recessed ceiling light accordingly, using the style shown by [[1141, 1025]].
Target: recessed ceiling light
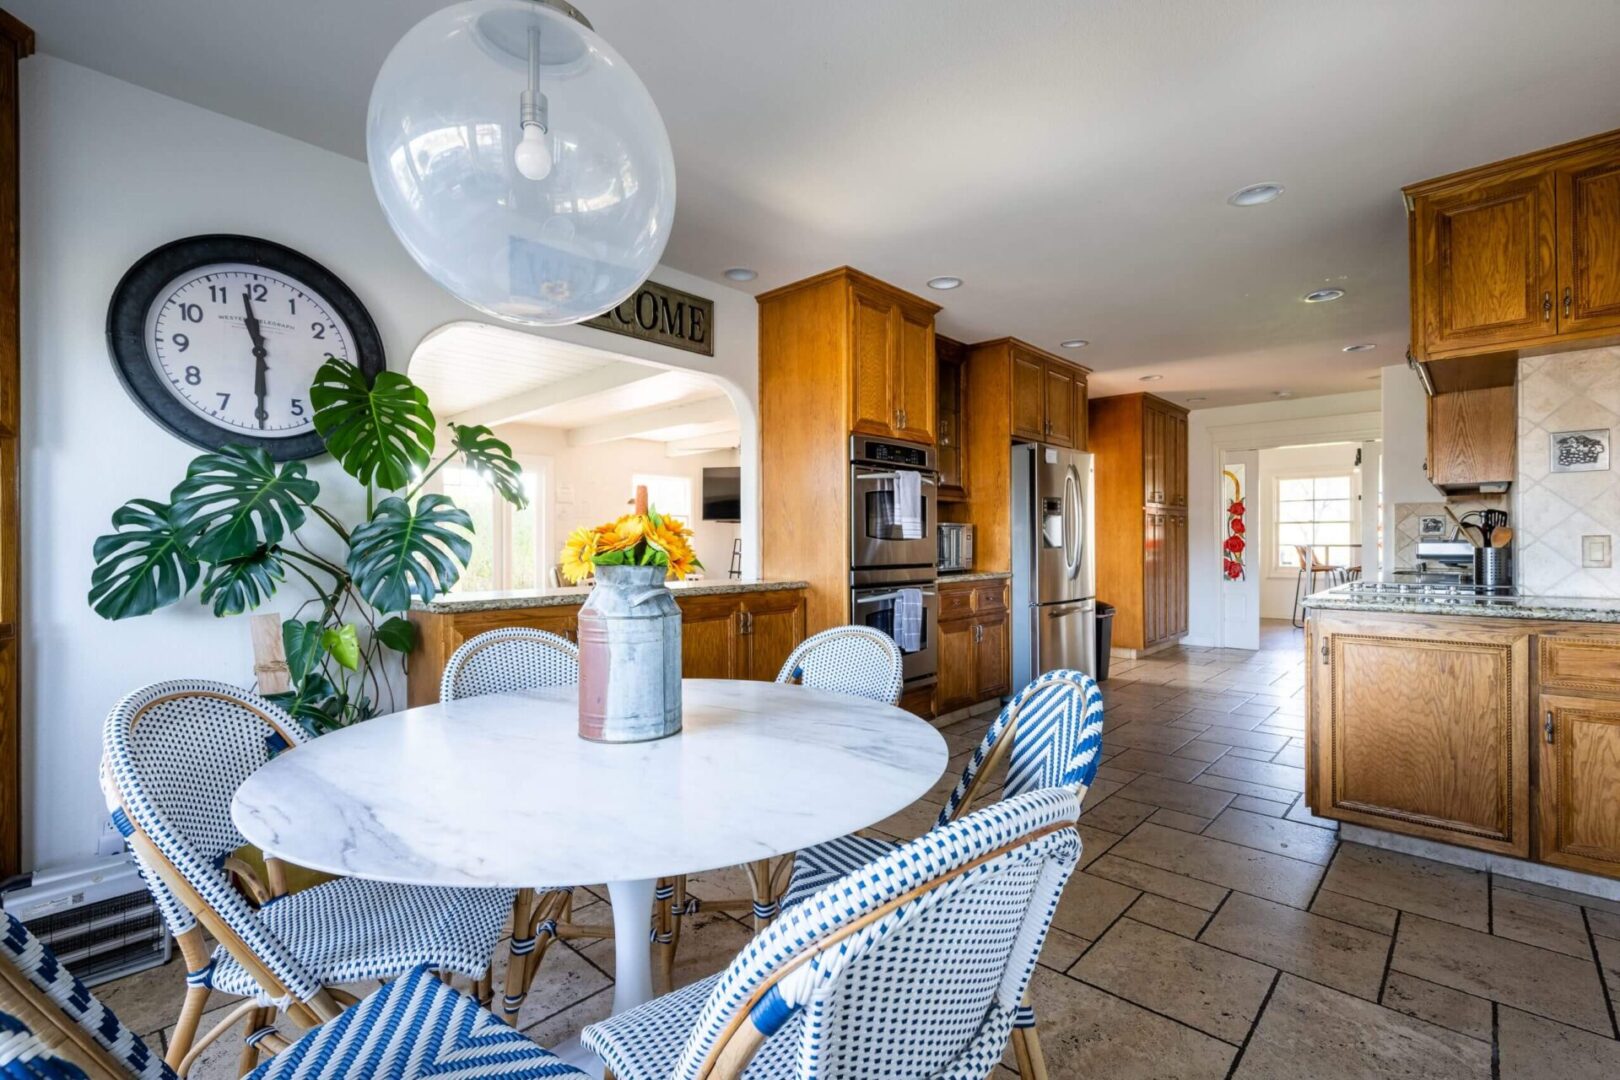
[[1255, 195], [1196, 400], [1075, 343], [1149, 378], [944, 282], [1322, 296], [1365, 346], [741, 273], [1282, 393]]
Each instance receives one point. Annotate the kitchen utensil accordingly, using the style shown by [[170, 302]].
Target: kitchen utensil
[[1501, 536], [1474, 535]]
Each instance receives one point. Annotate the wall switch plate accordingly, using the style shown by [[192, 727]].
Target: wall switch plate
[[1597, 552]]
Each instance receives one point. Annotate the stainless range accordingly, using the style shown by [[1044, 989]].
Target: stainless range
[[1435, 592]]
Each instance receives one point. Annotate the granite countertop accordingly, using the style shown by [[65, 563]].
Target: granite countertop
[[568, 595], [1552, 608], [950, 576]]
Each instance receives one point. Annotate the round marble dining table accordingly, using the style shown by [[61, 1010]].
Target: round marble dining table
[[500, 790]]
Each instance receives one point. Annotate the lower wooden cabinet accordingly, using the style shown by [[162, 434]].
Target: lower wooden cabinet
[[1423, 728], [726, 636], [1578, 809], [974, 644]]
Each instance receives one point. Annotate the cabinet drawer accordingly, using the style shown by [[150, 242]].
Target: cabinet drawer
[[955, 602], [990, 597], [1581, 662]]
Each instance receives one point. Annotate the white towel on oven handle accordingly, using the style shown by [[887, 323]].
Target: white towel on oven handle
[[908, 506], [908, 619]]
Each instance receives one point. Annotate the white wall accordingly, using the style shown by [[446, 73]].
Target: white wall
[[1277, 589], [1332, 417], [591, 483], [110, 171], [1406, 449]]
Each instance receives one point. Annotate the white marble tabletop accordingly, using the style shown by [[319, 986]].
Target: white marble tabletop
[[501, 791]]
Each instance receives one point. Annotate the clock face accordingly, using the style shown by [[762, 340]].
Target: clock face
[[218, 339], [240, 344]]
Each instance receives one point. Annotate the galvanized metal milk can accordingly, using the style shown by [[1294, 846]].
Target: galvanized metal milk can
[[629, 657]]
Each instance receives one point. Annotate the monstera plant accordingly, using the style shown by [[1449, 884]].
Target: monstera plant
[[233, 526]]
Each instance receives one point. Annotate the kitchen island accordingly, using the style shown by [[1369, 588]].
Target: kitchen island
[[729, 629], [1490, 723]]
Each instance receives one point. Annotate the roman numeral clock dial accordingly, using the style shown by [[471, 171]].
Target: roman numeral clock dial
[[218, 338]]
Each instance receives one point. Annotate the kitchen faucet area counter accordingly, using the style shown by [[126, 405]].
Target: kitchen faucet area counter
[[1429, 600], [729, 629]]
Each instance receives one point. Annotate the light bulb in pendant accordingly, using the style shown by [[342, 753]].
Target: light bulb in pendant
[[533, 154]]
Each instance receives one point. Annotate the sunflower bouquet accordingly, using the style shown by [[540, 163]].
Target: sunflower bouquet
[[650, 539]]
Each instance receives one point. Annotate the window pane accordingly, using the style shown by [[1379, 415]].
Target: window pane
[[469, 491], [1332, 487], [1333, 510], [1290, 534], [1287, 559], [1333, 532], [525, 526], [1295, 511], [666, 494], [1291, 489]]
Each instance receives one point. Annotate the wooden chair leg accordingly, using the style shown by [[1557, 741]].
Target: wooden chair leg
[[248, 1059], [485, 990], [516, 986], [194, 953], [759, 878], [1027, 1052], [677, 915]]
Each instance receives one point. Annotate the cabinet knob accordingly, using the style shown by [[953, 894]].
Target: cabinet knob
[[1569, 299], [1547, 728], [1546, 306]]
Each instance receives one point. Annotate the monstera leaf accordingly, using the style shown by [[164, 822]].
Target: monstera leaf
[[238, 585], [145, 565], [406, 551], [343, 642], [236, 501], [492, 459], [301, 641], [382, 433], [397, 633], [313, 702]]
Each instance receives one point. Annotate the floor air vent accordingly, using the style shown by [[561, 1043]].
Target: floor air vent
[[98, 919]]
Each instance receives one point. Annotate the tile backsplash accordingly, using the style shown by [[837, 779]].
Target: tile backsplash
[[1578, 391], [1409, 522]]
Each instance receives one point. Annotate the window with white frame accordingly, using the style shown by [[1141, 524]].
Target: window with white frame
[[1319, 510], [670, 495], [510, 548]]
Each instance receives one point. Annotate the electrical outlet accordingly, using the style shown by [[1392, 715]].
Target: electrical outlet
[[1597, 552], [111, 841]]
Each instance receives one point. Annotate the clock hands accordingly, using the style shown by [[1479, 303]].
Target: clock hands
[[259, 366]]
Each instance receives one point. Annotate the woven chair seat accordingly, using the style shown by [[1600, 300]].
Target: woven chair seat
[[816, 868], [414, 1027], [648, 1040], [350, 930]]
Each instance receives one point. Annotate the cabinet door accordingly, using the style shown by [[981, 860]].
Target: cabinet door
[[711, 638], [991, 662], [1485, 266], [872, 339], [950, 438], [1028, 392], [913, 378], [958, 667], [1473, 436], [774, 626], [1153, 591], [1175, 601], [1059, 405], [1177, 453], [1578, 811], [1422, 727], [1152, 455], [1589, 247], [1082, 415]]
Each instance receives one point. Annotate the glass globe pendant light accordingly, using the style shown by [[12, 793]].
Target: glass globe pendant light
[[520, 161]]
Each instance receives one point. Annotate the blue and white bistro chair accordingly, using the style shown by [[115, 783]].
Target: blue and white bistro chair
[[505, 661], [52, 1027], [1049, 736], [914, 966], [174, 754], [854, 660]]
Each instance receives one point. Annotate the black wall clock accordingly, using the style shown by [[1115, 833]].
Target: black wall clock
[[218, 338]]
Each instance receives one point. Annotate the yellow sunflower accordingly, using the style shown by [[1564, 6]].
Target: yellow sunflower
[[673, 538], [624, 533], [579, 553]]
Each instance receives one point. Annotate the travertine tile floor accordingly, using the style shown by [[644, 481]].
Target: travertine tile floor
[[1216, 928]]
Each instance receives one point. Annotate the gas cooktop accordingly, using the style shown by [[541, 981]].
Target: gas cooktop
[[1436, 592]]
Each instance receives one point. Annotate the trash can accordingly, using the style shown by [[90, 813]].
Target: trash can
[[1105, 638]]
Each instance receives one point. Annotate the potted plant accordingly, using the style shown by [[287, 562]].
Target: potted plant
[[630, 626], [233, 526]]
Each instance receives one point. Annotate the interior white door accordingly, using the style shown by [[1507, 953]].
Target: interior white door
[[1239, 596]]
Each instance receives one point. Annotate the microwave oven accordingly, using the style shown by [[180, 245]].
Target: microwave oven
[[955, 546]]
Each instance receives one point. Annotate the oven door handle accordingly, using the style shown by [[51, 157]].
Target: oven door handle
[[885, 597], [927, 477]]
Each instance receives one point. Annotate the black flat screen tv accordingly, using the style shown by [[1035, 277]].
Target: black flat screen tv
[[722, 494]]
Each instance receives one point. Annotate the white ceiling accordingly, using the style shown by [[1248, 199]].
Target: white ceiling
[[477, 373], [1068, 158]]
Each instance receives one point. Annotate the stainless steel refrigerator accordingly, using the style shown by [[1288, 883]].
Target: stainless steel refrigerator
[[1054, 598]]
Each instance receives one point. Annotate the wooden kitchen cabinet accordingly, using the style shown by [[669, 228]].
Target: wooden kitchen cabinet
[[974, 644], [1421, 726], [1519, 256], [1578, 811], [1140, 499], [1044, 396], [950, 447], [893, 364], [745, 635], [1473, 437]]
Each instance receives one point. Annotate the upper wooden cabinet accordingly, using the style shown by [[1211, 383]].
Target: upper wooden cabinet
[[1473, 438], [893, 363], [1047, 396], [1522, 255], [950, 429]]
